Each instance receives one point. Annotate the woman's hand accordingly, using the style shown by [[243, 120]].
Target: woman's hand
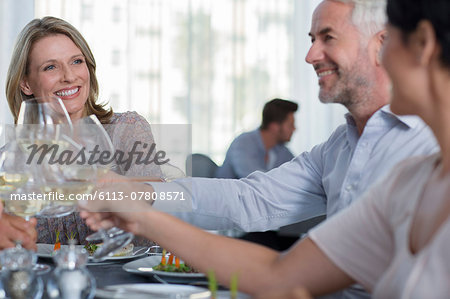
[[14, 228]]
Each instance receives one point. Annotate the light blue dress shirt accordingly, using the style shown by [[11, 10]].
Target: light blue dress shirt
[[247, 154], [323, 181]]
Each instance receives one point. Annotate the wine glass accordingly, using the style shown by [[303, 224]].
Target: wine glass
[[90, 133], [16, 182], [42, 121], [115, 238], [49, 110], [66, 184], [17, 186], [171, 172], [43, 132]]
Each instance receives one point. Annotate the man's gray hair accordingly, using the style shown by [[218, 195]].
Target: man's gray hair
[[368, 15]]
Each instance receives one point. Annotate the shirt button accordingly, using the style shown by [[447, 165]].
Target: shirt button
[[349, 187]]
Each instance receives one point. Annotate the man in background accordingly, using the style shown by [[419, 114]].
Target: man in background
[[263, 148]]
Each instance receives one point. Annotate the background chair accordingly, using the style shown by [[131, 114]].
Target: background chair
[[199, 165]]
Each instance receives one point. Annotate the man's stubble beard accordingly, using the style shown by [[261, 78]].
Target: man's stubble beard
[[352, 87]]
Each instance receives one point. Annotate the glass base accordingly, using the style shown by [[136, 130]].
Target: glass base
[[55, 211]]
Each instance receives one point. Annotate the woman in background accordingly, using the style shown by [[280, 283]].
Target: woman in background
[[51, 58], [396, 240]]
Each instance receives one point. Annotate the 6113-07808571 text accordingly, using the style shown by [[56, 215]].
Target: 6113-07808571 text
[[170, 195]]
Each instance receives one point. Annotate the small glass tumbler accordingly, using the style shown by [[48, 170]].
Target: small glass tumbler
[[71, 279], [18, 279]]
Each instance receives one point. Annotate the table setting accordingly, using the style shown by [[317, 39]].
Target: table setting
[[74, 271], [133, 278]]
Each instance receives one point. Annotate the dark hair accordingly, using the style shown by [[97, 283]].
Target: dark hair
[[277, 110], [406, 15]]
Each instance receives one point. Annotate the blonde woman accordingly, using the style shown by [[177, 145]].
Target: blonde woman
[[51, 58]]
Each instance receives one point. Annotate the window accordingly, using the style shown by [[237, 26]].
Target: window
[[209, 63]]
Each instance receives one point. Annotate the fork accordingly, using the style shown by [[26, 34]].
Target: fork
[[141, 250]]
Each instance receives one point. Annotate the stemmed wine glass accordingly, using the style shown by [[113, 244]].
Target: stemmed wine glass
[[170, 172], [17, 188], [115, 238], [89, 132], [42, 121], [16, 182], [74, 180], [43, 131]]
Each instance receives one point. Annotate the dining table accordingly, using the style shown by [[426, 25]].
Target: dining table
[[111, 273]]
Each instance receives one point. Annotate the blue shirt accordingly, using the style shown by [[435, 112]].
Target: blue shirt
[[323, 181], [247, 153]]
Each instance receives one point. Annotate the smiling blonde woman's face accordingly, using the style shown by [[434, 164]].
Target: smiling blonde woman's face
[[57, 67]]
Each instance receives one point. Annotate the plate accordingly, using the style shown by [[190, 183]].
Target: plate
[[144, 267], [46, 251], [152, 290]]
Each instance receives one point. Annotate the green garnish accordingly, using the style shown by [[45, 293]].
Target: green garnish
[[172, 268], [234, 286], [72, 236], [91, 248], [212, 284]]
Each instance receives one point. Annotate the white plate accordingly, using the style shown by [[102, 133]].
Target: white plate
[[145, 267], [152, 290], [46, 251]]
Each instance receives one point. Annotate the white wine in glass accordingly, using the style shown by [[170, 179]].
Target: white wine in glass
[[14, 170], [16, 182], [22, 205]]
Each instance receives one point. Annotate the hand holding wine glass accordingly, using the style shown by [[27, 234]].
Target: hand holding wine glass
[[127, 212], [15, 175]]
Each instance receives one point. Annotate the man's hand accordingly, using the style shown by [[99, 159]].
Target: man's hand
[[116, 204], [14, 228], [133, 222]]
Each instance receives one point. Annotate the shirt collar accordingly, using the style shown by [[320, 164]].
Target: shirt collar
[[409, 120]]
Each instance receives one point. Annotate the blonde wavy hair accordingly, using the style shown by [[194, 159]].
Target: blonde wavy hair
[[18, 67]]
